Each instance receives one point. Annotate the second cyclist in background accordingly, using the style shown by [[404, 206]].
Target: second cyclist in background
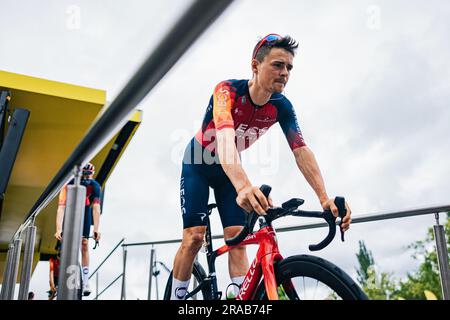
[[91, 216]]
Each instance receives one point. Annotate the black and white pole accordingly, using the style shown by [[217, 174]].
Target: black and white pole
[[70, 272], [8, 268], [442, 253], [12, 268], [150, 276], [123, 295], [27, 263]]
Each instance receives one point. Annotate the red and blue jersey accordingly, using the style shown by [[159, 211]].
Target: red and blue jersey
[[93, 190], [230, 106]]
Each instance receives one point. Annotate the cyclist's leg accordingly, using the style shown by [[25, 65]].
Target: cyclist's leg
[[194, 194], [233, 218], [85, 250]]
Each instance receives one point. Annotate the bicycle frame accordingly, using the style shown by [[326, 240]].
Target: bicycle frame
[[263, 264]]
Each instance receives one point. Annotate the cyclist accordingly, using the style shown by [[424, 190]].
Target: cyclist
[[91, 214], [238, 113], [54, 263]]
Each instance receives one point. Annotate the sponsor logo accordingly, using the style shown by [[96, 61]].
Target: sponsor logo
[[180, 292], [202, 215], [264, 119], [183, 201], [222, 97], [239, 112], [248, 279]]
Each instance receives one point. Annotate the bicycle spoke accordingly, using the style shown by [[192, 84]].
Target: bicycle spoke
[[308, 288], [304, 289], [315, 289]]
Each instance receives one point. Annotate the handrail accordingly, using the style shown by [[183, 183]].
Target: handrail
[[177, 41], [118, 277], [107, 257], [359, 219]]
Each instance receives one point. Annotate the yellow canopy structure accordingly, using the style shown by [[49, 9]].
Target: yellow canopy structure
[[60, 116]]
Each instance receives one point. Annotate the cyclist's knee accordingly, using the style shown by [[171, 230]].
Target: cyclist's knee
[[231, 232], [193, 238], [84, 244], [238, 252]]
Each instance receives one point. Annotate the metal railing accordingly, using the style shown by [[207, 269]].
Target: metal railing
[[96, 272], [441, 244], [197, 18]]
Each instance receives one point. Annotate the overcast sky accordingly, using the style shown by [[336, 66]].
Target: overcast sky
[[370, 85]]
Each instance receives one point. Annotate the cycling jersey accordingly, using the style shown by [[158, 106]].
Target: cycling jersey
[[93, 190], [230, 106]]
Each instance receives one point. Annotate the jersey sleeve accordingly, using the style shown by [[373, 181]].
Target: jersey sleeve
[[63, 196], [96, 193], [289, 124], [223, 99]]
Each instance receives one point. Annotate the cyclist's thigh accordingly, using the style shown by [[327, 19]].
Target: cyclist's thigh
[[230, 213], [87, 222], [194, 194]]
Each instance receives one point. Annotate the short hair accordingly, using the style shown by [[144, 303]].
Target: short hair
[[287, 43]]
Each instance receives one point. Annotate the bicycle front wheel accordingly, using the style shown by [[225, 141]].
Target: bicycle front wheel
[[197, 282], [306, 277]]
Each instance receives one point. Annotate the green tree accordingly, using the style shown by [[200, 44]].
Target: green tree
[[365, 259], [381, 285], [427, 276], [377, 285]]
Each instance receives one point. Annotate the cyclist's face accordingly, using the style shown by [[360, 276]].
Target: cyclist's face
[[273, 72]]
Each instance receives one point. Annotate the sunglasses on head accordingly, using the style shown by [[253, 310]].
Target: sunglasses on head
[[269, 38]]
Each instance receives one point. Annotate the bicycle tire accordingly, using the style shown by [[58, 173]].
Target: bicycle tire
[[199, 274], [317, 269]]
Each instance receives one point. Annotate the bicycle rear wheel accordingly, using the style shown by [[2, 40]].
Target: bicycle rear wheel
[[199, 275], [306, 277]]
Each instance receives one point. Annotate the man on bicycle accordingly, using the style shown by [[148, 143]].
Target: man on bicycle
[[92, 212], [239, 112], [54, 263]]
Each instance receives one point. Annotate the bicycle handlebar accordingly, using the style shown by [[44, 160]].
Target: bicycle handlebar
[[289, 208]]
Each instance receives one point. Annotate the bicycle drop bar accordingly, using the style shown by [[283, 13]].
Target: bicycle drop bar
[[252, 217], [290, 210]]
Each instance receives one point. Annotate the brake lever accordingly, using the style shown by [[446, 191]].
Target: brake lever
[[340, 204]]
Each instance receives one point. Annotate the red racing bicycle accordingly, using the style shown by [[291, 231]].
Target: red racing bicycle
[[270, 276]]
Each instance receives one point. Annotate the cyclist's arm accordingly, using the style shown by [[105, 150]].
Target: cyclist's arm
[[307, 164], [229, 159], [248, 195], [60, 212], [96, 210], [96, 215]]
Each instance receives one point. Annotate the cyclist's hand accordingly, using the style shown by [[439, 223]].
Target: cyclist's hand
[[329, 205], [250, 199], [96, 236], [58, 235]]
